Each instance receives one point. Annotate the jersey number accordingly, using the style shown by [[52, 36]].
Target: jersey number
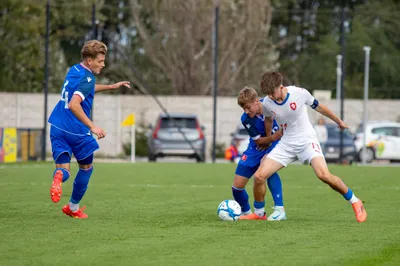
[[64, 95], [283, 127], [316, 147]]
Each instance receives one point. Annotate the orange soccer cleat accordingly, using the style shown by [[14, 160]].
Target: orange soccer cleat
[[253, 216], [79, 214], [360, 212], [56, 186]]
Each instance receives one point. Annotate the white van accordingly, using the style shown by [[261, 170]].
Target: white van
[[382, 142]]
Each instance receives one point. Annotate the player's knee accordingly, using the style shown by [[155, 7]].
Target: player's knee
[[85, 166], [324, 176], [86, 163], [259, 178]]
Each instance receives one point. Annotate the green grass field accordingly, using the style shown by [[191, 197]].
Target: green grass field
[[165, 214]]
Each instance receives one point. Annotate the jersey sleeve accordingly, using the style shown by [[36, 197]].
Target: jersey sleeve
[[85, 87], [308, 98], [266, 109], [251, 128]]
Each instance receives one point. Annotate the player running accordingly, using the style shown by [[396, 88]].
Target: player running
[[259, 145], [71, 129], [287, 105]]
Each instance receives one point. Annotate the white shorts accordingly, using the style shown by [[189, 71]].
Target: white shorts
[[285, 154]]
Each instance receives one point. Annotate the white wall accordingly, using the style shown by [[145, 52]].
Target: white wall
[[26, 110]]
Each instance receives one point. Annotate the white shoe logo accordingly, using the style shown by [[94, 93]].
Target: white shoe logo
[[89, 79]]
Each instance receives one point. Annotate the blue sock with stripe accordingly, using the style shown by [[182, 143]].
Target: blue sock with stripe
[[275, 186], [65, 172], [241, 196], [80, 184]]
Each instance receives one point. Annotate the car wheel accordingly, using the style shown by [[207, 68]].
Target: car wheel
[[152, 158], [369, 154], [200, 159]]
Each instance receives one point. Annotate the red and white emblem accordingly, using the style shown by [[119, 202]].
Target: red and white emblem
[[293, 106], [244, 157]]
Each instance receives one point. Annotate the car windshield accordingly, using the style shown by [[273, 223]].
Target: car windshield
[[334, 133], [182, 122]]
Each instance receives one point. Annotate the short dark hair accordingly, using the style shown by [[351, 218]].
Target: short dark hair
[[270, 81]]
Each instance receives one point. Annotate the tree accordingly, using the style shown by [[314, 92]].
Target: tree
[[176, 38]]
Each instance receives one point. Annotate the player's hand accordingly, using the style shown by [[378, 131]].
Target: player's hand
[[342, 125], [277, 135], [263, 147], [99, 132], [120, 84]]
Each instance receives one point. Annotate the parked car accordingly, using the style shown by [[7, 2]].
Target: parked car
[[382, 141], [331, 148], [177, 135], [241, 135]]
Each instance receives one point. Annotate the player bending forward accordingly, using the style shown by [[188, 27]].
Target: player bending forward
[[288, 106], [71, 129], [260, 144]]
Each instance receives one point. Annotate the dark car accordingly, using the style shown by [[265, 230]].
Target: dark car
[[331, 148], [177, 135]]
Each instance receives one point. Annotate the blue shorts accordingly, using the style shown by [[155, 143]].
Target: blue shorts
[[81, 146], [250, 161]]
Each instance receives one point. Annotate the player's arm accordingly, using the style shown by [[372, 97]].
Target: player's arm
[[101, 87], [322, 109], [75, 106], [268, 139]]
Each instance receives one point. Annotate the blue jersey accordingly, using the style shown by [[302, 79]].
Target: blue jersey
[[80, 81], [256, 129]]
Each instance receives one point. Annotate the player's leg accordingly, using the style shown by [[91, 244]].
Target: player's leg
[[279, 157], [83, 150], [61, 155], [267, 168], [312, 154], [243, 173], [322, 171], [275, 187]]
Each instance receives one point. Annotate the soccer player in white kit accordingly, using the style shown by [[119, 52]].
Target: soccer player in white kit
[[288, 106]]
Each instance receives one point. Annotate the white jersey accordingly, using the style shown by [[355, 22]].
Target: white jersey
[[291, 115]]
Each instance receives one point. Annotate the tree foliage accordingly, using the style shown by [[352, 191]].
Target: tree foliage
[[166, 46]]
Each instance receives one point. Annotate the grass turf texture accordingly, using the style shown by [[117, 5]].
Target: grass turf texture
[[165, 214]]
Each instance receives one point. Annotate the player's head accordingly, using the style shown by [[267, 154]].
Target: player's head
[[93, 55], [271, 84], [248, 100]]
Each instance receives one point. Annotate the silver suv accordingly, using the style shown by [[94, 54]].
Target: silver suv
[[177, 135]]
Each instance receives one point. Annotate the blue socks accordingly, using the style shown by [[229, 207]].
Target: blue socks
[[275, 186], [348, 195], [66, 173], [80, 184], [241, 196]]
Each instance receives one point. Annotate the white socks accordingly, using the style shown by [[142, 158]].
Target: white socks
[[353, 199], [74, 207], [246, 213], [260, 212]]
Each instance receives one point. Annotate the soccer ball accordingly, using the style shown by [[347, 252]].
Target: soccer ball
[[229, 210]]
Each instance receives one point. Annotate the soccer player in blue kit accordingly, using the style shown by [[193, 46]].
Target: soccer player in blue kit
[[260, 144], [72, 131]]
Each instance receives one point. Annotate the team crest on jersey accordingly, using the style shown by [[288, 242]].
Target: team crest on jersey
[[293, 106], [244, 157]]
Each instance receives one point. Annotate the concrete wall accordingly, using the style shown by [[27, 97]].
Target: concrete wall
[[26, 110]]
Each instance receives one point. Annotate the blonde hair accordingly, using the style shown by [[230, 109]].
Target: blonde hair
[[270, 81], [92, 48], [247, 95]]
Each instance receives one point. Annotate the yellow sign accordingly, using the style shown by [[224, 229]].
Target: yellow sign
[[8, 145], [129, 121]]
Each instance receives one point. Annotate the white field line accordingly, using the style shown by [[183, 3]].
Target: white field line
[[191, 186]]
